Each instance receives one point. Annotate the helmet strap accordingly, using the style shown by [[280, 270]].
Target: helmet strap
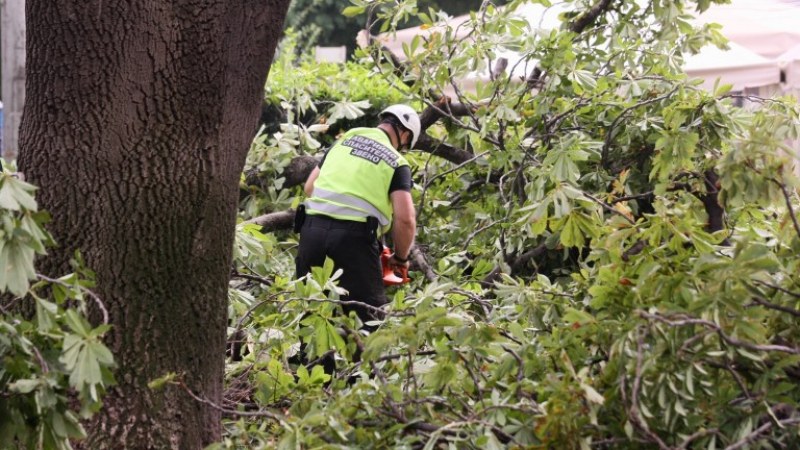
[[398, 131]]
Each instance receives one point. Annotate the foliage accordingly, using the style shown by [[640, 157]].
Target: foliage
[[55, 368], [614, 257], [321, 22]]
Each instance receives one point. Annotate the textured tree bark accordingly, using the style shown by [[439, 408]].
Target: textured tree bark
[[138, 119]]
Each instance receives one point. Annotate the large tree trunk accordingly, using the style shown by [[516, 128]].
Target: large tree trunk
[[138, 119]]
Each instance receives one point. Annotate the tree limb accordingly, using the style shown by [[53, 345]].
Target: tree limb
[[421, 263], [682, 320], [710, 199], [282, 220], [442, 108], [588, 17], [446, 151]]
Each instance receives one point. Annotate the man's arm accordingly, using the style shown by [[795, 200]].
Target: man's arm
[[309, 186], [405, 223]]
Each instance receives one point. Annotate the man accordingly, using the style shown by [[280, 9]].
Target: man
[[360, 191]]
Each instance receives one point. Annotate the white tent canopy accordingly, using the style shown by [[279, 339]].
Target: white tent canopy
[[738, 66], [767, 27]]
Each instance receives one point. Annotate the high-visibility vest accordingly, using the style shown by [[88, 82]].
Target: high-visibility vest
[[353, 183]]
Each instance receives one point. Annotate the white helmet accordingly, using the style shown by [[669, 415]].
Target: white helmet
[[408, 117]]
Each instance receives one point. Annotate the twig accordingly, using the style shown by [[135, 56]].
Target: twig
[[695, 436], [91, 294], [752, 437], [608, 207], [633, 412], [261, 413], [770, 305], [680, 320], [262, 280], [788, 199], [776, 287]]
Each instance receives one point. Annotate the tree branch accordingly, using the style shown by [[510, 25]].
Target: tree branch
[[715, 211], [295, 174], [421, 263], [442, 108], [446, 151], [752, 437], [282, 220], [681, 320], [588, 17]]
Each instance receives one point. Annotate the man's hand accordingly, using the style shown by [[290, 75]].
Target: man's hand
[[396, 263]]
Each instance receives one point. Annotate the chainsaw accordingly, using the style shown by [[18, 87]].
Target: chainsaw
[[392, 277]]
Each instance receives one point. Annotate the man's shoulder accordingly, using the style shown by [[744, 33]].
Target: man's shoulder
[[361, 130]]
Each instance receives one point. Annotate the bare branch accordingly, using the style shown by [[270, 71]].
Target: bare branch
[[230, 412], [633, 412], [788, 199], [442, 108], [588, 17], [769, 305], [695, 436], [752, 437], [421, 263], [778, 288], [442, 150], [282, 220]]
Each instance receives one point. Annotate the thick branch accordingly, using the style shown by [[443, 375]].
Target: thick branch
[[421, 263], [446, 151], [442, 108], [282, 220], [298, 170], [588, 17], [295, 173], [716, 213]]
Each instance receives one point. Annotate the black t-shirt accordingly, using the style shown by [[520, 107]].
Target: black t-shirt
[[401, 180]]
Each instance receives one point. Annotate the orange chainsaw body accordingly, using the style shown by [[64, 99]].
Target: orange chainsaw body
[[390, 276]]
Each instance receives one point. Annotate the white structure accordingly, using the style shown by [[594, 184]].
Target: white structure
[[790, 63], [737, 66], [767, 27], [13, 60], [330, 54]]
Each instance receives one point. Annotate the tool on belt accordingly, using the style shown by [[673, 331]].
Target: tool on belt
[[392, 277]]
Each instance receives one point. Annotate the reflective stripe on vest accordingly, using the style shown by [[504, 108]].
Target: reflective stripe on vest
[[345, 205]]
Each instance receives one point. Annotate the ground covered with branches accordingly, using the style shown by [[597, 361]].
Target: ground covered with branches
[[606, 254]]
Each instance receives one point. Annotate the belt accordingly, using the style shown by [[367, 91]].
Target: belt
[[329, 223]]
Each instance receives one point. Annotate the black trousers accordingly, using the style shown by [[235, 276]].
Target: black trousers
[[354, 248]]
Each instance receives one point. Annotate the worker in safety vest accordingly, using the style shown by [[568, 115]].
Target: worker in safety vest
[[359, 192]]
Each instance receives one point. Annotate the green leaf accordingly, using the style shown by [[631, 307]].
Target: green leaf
[[16, 194], [352, 11], [24, 386]]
